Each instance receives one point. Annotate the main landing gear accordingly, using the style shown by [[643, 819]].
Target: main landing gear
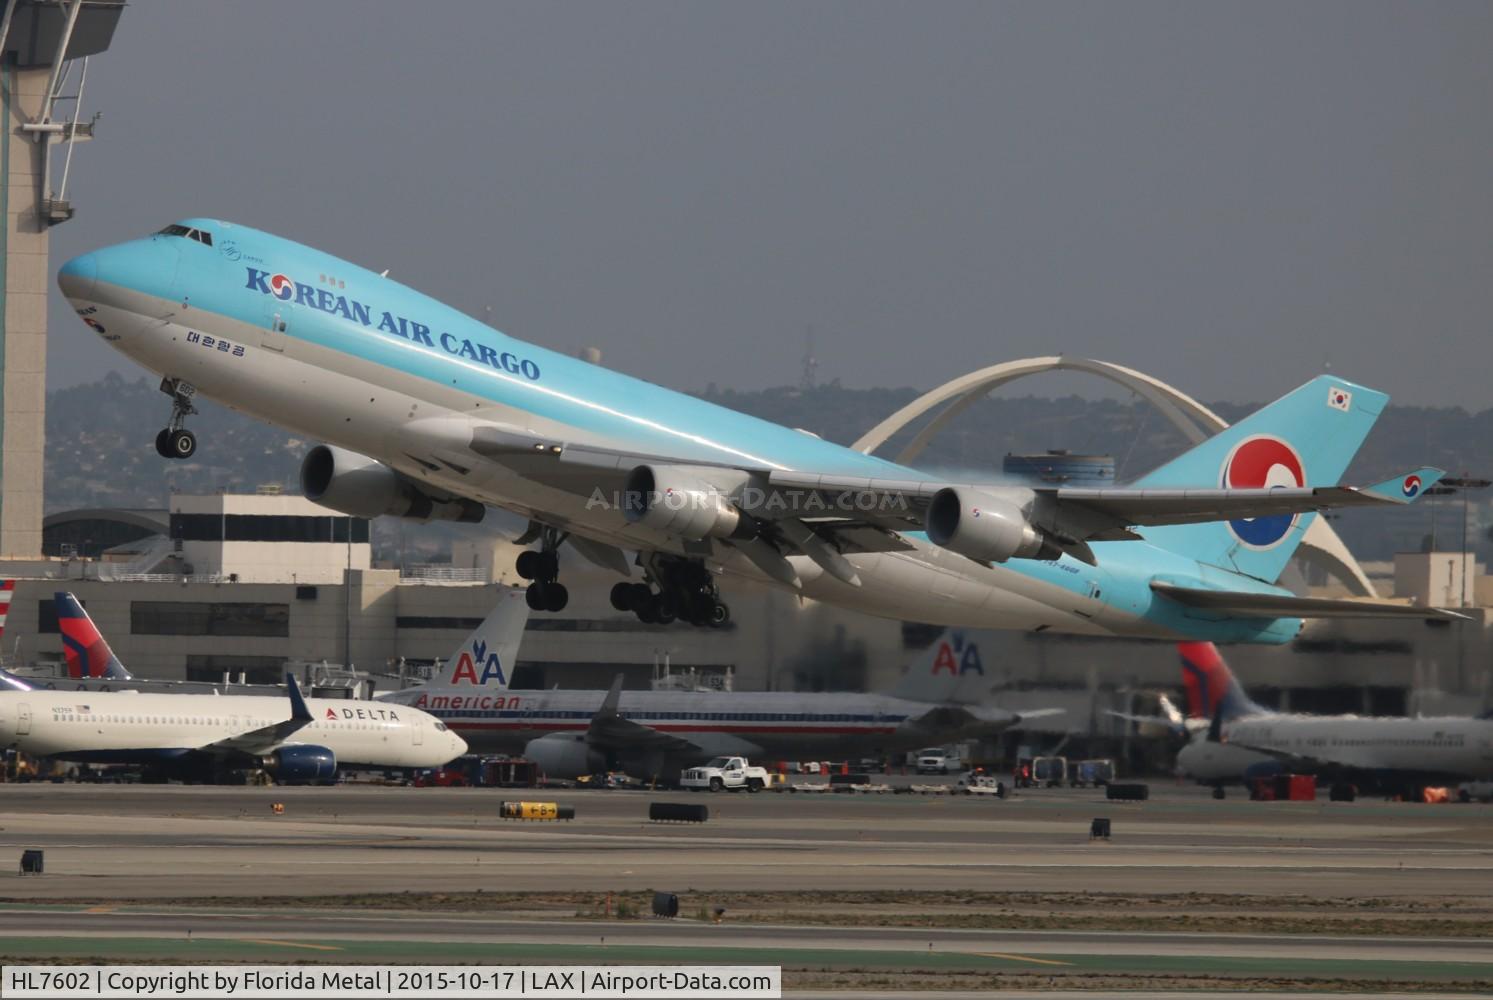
[[543, 567], [685, 592], [175, 441]]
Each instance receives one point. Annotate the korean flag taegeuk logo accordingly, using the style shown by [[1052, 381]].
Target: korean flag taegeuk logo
[[1339, 399]]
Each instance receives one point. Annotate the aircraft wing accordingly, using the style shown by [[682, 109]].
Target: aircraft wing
[[804, 510], [610, 731], [1229, 602], [266, 738]]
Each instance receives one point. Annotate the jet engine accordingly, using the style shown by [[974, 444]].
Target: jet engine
[[356, 484], [302, 765], [565, 755], [672, 500], [984, 527]]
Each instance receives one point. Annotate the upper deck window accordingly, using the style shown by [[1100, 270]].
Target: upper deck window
[[176, 229]]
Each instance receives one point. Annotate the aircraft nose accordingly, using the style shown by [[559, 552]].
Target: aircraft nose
[[78, 276]]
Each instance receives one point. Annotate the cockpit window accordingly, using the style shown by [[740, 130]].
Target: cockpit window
[[440, 727], [176, 229]]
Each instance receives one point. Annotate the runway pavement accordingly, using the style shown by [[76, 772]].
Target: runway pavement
[[174, 842], [172, 873]]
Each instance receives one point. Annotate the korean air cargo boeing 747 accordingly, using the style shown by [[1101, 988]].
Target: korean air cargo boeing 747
[[428, 413]]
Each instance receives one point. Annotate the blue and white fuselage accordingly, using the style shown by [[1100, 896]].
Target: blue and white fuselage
[[336, 352]]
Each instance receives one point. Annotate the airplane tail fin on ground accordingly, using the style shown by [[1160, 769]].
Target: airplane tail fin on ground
[[951, 671], [88, 655], [7, 590], [1306, 438], [486, 657], [1212, 689]]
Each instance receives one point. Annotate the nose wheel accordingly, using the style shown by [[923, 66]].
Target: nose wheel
[[175, 441], [546, 593]]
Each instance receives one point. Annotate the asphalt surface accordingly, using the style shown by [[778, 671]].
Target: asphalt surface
[[109, 842], [342, 926]]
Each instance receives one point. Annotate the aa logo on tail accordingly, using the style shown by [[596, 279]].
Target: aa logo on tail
[[957, 657], [467, 663]]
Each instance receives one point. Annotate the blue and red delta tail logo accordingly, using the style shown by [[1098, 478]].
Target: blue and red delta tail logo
[[1262, 462], [957, 657], [86, 652], [467, 664], [281, 287], [1411, 487], [1204, 676]]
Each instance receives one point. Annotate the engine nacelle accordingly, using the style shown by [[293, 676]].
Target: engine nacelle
[[672, 500], [565, 755], [302, 765], [984, 527], [356, 484]]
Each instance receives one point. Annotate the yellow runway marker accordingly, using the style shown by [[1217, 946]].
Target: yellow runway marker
[[1022, 958], [292, 944]]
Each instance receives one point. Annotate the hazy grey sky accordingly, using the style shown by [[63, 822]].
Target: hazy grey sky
[[1226, 196]]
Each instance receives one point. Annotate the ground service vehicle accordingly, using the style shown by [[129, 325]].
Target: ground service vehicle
[[725, 773]]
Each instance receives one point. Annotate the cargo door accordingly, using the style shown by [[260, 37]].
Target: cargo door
[[23, 719]]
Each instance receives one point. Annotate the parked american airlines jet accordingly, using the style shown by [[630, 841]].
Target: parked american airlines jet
[[207, 736], [655, 734], [428, 413], [1389, 754]]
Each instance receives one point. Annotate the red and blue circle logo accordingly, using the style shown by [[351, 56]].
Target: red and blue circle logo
[[1256, 463], [1411, 487], [281, 287]]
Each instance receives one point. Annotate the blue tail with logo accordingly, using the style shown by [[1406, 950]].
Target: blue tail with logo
[[1306, 438]]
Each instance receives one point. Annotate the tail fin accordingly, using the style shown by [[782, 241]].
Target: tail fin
[[7, 590], [88, 655], [1306, 438], [1212, 688], [486, 657], [951, 671]]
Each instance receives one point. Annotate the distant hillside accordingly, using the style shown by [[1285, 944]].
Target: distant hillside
[[101, 451]]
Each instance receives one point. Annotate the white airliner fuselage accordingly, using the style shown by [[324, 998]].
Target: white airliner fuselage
[[129, 727]]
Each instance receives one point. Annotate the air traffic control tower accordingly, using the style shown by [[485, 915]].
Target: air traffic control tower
[[44, 50]]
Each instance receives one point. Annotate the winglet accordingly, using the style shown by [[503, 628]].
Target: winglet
[[298, 709], [1407, 488]]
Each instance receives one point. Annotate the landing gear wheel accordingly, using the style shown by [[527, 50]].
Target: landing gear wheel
[[664, 611], [182, 443], [622, 596], [719, 614], [527, 564], [537, 597], [163, 442], [555, 597]]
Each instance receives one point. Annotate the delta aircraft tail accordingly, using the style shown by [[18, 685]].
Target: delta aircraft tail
[[1306, 438], [951, 671], [7, 591], [88, 655], [1212, 689]]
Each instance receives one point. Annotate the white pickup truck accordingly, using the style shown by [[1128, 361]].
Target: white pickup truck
[[725, 772]]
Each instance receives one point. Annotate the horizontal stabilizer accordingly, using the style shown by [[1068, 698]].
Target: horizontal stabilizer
[[1406, 488], [1250, 605]]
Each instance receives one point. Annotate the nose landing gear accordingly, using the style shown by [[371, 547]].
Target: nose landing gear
[[546, 593], [175, 441]]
